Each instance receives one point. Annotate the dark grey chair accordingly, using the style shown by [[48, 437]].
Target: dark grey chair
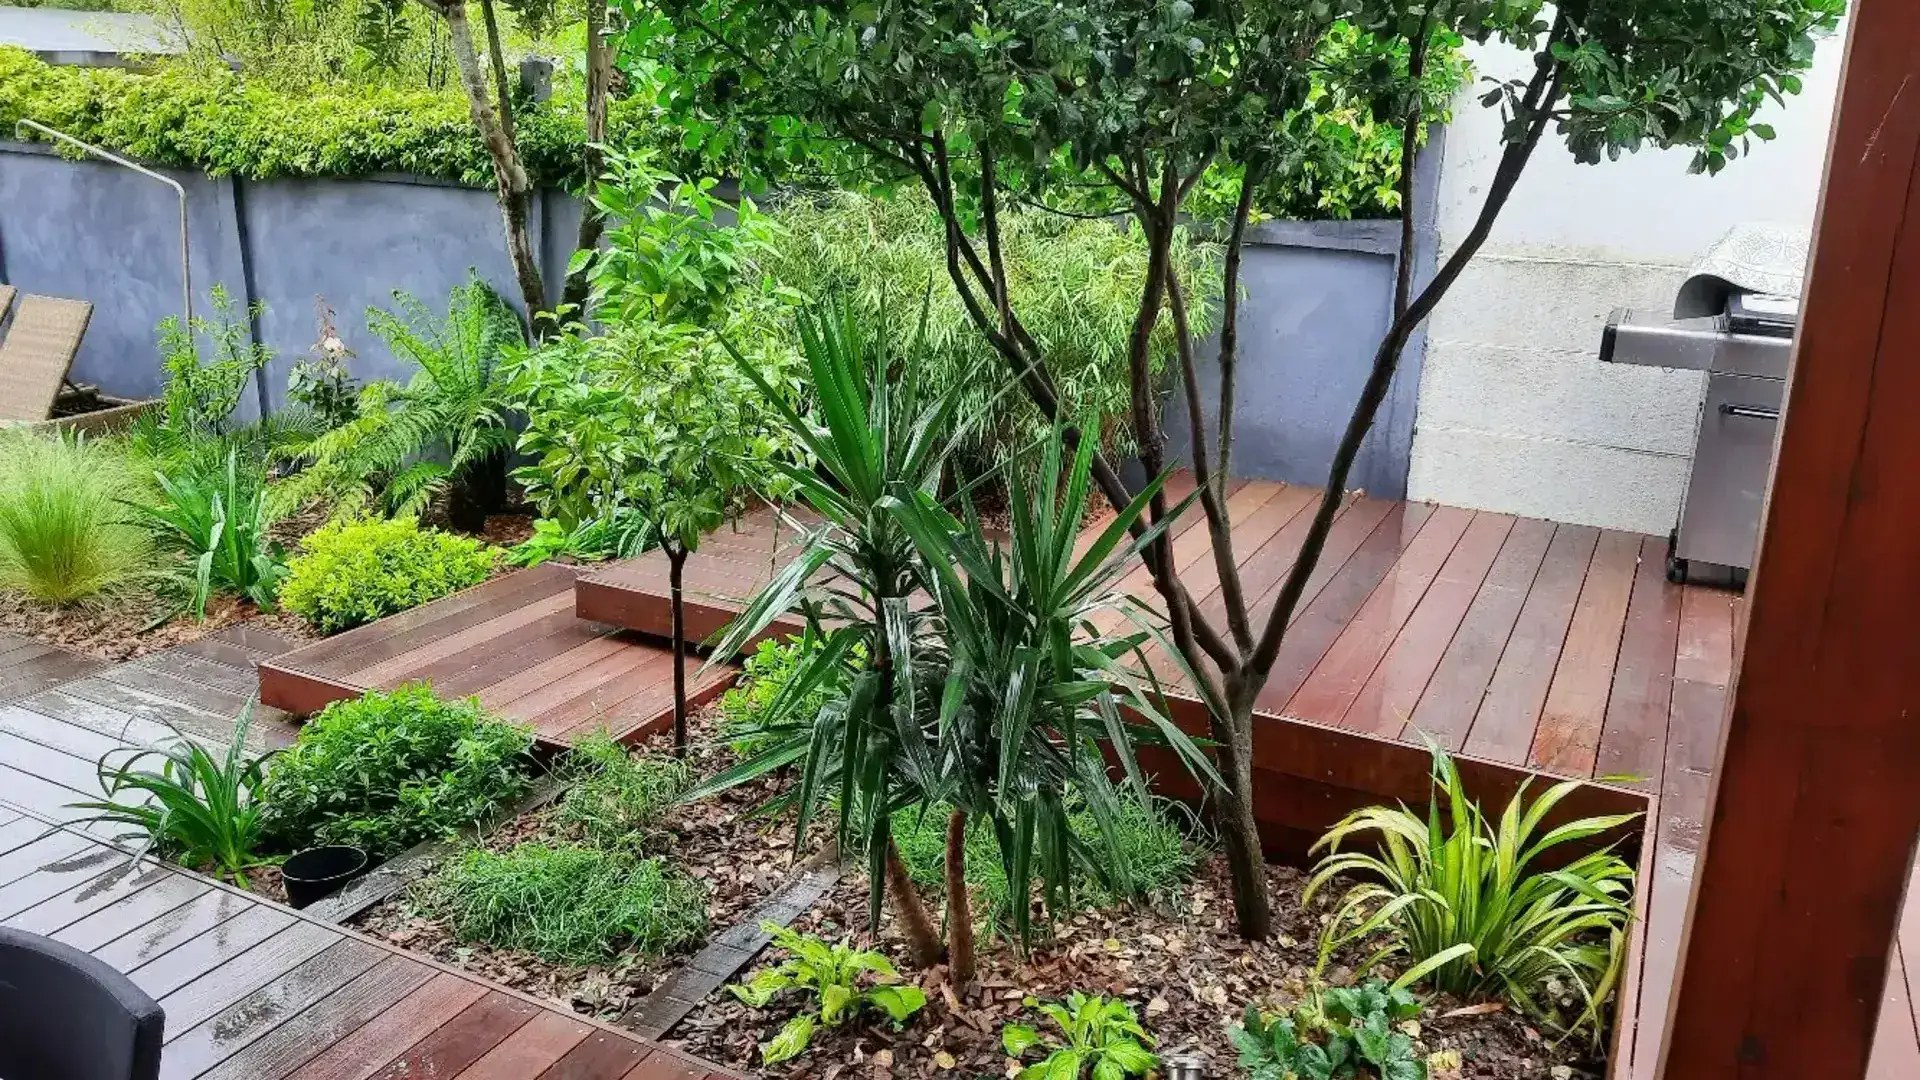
[[67, 1016]]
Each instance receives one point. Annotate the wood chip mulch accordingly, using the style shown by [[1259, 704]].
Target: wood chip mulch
[[119, 627]]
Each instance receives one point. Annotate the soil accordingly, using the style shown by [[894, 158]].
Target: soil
[[740, 857], [506, 530], [118, 627], [1177, 961]]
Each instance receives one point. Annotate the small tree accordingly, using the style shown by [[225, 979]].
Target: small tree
[[1138, 101], [651, 419]]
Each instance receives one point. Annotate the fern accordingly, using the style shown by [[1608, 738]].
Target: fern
[[407, 444]]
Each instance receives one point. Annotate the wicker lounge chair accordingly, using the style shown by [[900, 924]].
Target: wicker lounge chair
[[38, 350], [6, 301]]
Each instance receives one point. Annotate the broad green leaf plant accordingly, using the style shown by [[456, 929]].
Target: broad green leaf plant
[[1457, 899], [1097, 1037], [1344, 1033], [843, 980]]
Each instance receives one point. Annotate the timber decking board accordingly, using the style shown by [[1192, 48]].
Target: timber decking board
[[253, 991]]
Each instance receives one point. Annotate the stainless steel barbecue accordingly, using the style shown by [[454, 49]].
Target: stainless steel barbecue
[[1727, 324]]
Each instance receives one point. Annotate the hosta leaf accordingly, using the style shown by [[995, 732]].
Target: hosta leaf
[[1017, 1039], [791, 1041], [898, 1002]]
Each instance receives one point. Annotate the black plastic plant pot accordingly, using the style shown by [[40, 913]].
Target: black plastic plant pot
[[317, 873]]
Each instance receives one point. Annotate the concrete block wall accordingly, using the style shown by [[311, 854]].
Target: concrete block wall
[[1516, 411]]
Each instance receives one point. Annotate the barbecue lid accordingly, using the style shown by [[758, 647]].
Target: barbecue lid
[[1752, 275]]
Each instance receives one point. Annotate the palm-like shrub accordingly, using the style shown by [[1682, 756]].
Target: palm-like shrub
[[67, 532], [1455, 899], [218, 520], [444, 432]]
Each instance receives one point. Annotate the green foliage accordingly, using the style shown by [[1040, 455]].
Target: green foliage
[[1454, 898], [618, 535], [843, 980], [1098, 1037], [1075, 283], [390, 769], [218, 521], [618, 799], [448, 426], [67, 532], [1155, 856], [320, 381], [185, 803], [1345, 1033], [353, 572], [746, 708], [569, 904], [648, 416], [202, 391]]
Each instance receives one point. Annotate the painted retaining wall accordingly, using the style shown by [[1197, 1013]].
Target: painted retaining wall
[[1317, 295]]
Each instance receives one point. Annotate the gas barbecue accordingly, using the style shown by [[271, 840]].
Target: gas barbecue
[[1733, 318]]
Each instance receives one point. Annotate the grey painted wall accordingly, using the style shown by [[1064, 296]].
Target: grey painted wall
[[1317, 295]]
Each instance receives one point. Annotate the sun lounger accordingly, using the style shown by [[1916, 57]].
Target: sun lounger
[[38, 350]]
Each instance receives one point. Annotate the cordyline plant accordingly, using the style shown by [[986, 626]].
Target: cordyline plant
[[983, 105]]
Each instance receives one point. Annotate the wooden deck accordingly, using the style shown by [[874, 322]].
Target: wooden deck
[[517, 644], [255, 991]]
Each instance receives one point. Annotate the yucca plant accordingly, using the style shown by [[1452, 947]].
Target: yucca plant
[[219, 522], [444, 432], [187, 803], [1455, 897], [1032, 689], [874, 433], [66, 533]]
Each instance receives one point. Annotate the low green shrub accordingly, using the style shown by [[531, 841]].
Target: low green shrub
[[841, 979], [67, 529], [1096, 1034], [617, 798], [1157, 857], [186, 803], [1350, 1032], [353, 572], [764, 675], [209, 362], [390, 769], [569, 904]]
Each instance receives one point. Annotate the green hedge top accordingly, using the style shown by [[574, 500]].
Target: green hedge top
[[218, 123]]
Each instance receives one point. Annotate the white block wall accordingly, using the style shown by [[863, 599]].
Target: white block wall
[[1517, 413]]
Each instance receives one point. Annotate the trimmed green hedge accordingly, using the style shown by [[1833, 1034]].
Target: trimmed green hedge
[[219, 124]]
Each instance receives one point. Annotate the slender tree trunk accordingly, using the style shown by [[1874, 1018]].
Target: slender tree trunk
[[676, 563], [1233, 814], [959, 905], [515, 191], [923, 940], [599, 75]]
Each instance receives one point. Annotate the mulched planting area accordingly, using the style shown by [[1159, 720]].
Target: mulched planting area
[[739, 856], [1178, 961], [122, 627]]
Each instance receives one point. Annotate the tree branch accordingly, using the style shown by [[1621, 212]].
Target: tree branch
[[499, 62], [1219, 525], [1409, 158], [1250, 180]]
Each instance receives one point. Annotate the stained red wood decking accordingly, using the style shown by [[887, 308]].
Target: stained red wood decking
[[255, 991], [517, 644]]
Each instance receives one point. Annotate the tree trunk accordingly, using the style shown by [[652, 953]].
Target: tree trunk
[[476, 492], [923, 941], [959, 905], [676, 562], [515, 191], [599, 76], [1233, 815]]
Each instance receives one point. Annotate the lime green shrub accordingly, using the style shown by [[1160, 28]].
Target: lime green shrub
[[66, 531], [390, 769], [353, 572], [843, 980], [569, 904]]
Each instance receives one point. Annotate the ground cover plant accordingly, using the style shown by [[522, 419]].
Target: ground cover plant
[[1458, 899], [199, 807], [67, 531], [837, 980], [1091, 1035], [1029, 107], [1356, 1032], [353, 572], [392, 768], [569, 903], [617, 798]]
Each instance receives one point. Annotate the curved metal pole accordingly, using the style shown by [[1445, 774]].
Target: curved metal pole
[[186, 272]]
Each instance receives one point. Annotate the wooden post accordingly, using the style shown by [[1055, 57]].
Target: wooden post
[[1817, 793]]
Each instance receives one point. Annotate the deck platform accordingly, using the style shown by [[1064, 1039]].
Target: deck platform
[[256, 991], [516, 643]]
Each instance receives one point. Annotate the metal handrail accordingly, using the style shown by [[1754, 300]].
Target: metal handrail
[[186, 271]]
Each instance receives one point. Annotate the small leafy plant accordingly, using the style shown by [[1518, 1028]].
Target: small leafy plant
[[1344, 1033], [620, 799], [764, 677], [201, 810], [390, 769], [349, 573], [219, 522], [844, 980], [568, 903], [1455, 898], [202, 392], [1097, 1033]]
